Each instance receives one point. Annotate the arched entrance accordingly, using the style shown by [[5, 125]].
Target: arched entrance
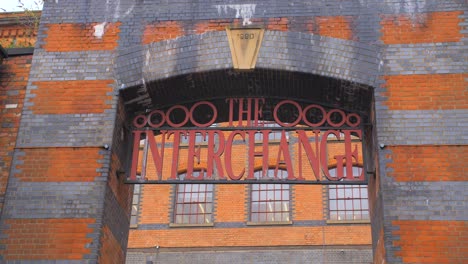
[[211, 79]]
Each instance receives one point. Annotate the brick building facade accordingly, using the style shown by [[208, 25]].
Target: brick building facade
[[66, 113]]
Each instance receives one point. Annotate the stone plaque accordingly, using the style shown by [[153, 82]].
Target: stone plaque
[[245, 44]]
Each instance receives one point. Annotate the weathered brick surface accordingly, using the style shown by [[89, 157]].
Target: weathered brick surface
[[72, 66], [19, 30], [71, 130], [422, 28], [293, 52], [13, 82], [431, 241], [335, 27], [162, 31], [110, 252], [397, 47], [40, 239], [251, 237], [308, 202], [428, 163], [431, 58], [80, 37], [423, 127], [71, 97], [59, 164], [426, 92], [54, 200], [239, 255]]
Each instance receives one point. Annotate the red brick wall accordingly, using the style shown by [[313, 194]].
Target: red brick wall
[[39, 239], [432, 241], [72, 97], [335, 27], [437, 27], [427, 92], [162, 31], [254, 236], [59, 164], [80, 37], [13, 81], [19, 30], [428, 163], [110, 252]]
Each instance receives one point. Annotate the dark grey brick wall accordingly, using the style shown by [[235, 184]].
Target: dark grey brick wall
[[290, 51], [257, 256], [363, 61]]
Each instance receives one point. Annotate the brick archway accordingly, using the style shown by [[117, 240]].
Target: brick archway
[[332, 71]]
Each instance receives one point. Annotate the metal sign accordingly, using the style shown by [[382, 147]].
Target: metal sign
[[230, 142]]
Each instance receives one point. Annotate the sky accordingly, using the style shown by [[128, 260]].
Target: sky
[[12, 5]]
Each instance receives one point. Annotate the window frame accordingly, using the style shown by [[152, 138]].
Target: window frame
[[284, 191], [188, 188], [347, 198]]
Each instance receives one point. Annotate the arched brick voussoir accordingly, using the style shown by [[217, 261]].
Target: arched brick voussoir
[[289, 51]]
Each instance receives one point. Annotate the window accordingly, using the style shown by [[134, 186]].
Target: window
[[193, 203], [348, 202], [270, 202], [135, 205]]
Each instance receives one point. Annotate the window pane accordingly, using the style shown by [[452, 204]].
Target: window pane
[[357, 204], [348, 202], [365, 204], [270, 202], [356, 192], [277, 206], [193, 204], [364, 192], [341, 205], [341, 193], [278, 217], [285, 217], [254, 217]]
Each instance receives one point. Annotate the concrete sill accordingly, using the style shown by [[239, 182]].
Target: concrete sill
[[340, 222], [268, 223], [191, 225]]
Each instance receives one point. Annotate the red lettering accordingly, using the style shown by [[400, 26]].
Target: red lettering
[[253, 153], [186, 113], [284, 149], [215, 114], [215, 157], [313, 158], [157, 156], [175, 150], [194, 154], [323, 152], [352, 155], [298, 119], [228, 155]]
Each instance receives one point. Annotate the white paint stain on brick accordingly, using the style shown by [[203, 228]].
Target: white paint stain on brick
[[99, 30], [147, 57], [10, 106], [244, 11]]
